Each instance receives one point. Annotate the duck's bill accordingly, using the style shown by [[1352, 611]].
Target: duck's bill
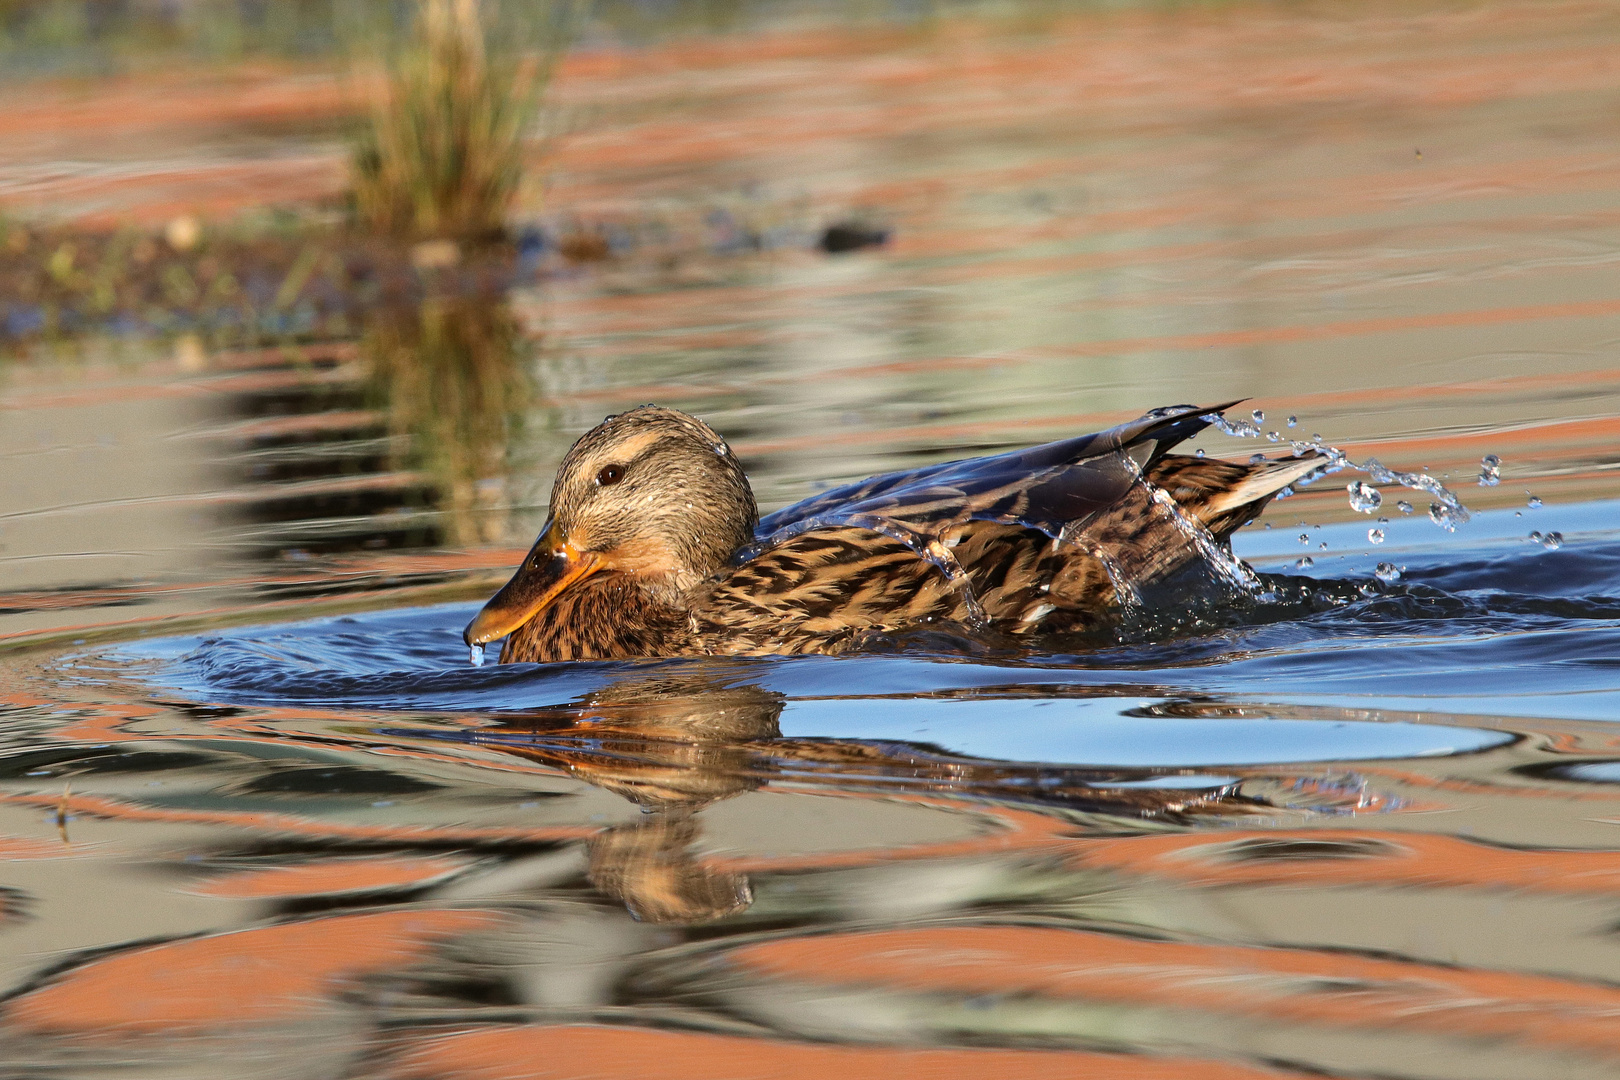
[[551, 566]]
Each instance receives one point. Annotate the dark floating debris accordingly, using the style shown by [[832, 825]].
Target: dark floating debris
[[843, 236]]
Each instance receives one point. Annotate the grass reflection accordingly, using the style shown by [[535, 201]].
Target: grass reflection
[[448, 374]]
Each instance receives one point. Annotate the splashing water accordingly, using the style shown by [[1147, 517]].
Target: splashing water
[[475, 655], [1232, 570], [1451, 511], [1130, 600], [1447, 517], [1364, 497], [940, 555], [1387, 572], [1490, 471], [1242, 429]]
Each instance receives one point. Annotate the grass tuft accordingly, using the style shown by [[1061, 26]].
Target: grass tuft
[[442, 154]]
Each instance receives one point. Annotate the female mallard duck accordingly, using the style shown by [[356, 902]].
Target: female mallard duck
[[655, 547]]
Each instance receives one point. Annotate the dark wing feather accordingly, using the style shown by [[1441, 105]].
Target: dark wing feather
[[1043, 487]]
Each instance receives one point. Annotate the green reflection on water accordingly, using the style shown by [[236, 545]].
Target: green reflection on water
[[450, 376]]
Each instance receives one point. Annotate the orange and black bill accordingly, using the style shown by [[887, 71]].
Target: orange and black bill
[[551, 566]]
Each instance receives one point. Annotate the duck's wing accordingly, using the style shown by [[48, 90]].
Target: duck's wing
[[1044, 487], [969, 541]]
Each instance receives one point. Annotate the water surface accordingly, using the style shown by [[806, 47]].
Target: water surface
[[261, 818]]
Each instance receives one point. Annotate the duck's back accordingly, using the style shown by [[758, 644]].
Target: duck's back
[[1047, 540]]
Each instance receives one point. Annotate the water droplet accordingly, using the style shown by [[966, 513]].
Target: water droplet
[[1304, 538], [1304, 564], [1198, 452], [1534, 503], [1490, 470], [1292, 420], [1240, 428], [1259, 417], [1255, 459], [1447, 517], [1364, 497], [1536, 535], [1268, 525], [1375, 535], [1403, 506], [475, 654], [1553, 541], [1322, 545], [1387, 572], [1316, 436], [1383, 521], [1284, 493]]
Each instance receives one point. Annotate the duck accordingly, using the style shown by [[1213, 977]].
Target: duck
[[655, 546]]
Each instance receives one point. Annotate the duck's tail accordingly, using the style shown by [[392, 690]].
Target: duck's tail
[[1226, 495]]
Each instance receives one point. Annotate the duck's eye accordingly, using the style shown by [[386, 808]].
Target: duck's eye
[[610, 474]]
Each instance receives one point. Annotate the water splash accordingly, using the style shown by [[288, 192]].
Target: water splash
[[1241, 429], [1125, 592], [1447, 517], [1452, 513], [1364, 497], [1228, 567]]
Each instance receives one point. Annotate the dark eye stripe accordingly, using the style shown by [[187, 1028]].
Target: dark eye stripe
[[610, 474]]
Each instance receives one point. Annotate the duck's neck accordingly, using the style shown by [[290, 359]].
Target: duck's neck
[[607, 617]]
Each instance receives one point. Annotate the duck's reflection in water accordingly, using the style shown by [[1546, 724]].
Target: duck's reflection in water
[[672, 745], [676, 743]]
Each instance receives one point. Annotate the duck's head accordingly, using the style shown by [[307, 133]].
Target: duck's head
[[652, 495]]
